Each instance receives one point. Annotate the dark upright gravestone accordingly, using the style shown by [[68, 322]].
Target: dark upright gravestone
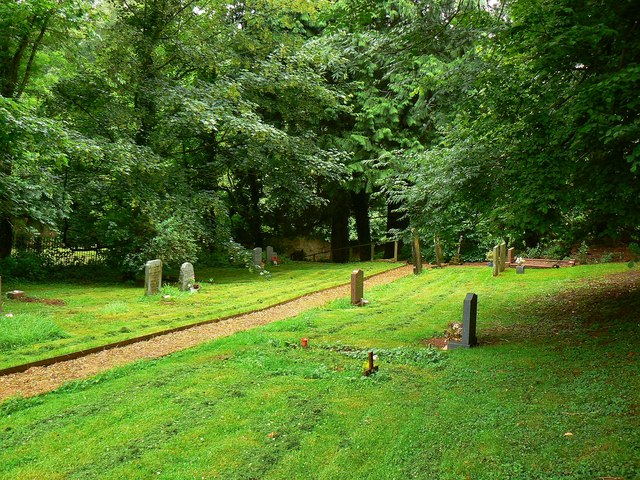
[[520, 269], [357, 287], [469, 317], [510, 255], [270, 255], [152, 277]]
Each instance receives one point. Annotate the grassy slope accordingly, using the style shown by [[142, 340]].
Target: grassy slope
[[254, 406], [99, 314]]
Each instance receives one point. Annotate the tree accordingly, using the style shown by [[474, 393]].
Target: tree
[[32, 147]]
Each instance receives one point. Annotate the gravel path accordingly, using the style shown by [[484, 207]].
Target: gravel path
[[39, 380]]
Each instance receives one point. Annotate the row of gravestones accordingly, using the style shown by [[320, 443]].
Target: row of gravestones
[[153, 277], [502, 258], [271, 256], [417, 256]]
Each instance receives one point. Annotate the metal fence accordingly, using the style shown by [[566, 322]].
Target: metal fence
[[355, 252], [55, 252]]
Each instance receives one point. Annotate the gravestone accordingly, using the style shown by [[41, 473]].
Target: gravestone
[[257, 256], [152, 277], [438, 251], [357, 287], [496, 261], [520, 269], [187, 277], [415, 247], [503, 257], [270, 255], [510, 253], [469, 320]]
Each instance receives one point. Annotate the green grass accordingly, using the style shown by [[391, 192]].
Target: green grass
[[558, 355], [26, 329], [98, 314]]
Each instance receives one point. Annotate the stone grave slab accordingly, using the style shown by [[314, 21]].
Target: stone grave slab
[[257, 256], [469, 320], [357, 287], [152, 277], [187, 277]]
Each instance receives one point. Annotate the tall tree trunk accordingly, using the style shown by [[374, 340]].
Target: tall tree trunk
[[340, 227], [360, 203], [394, 222], [6, 237]]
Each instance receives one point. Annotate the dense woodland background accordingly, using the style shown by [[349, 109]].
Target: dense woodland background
[[174, 128]]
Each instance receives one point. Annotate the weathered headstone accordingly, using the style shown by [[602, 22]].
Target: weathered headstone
[[395, 251], [187, 277], [496, 261], [270, 255], [510, 253], [520, 269], [469, 320], [152, 277], [438, 250], [503, 256], [357, 287], [257, 256], [417, 256]]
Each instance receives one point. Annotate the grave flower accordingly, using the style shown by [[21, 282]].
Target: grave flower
[[519, 261]]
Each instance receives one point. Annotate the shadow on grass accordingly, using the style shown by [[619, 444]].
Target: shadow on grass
[[604, 309]]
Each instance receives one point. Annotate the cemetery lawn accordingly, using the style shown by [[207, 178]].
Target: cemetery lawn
[[552, 392], [103, 313]]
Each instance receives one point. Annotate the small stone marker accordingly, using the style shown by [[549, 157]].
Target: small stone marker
[[15, 294], [520, 269], [415, 247], [357, 287], [152, 277], [510, 253], [469, 317], [257, 256], [187, 277], [496, 261], [270, 255]]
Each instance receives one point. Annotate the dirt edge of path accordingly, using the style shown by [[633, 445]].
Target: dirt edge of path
[[42, 379]]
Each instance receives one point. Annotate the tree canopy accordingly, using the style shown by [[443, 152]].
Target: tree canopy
[[171, 127]]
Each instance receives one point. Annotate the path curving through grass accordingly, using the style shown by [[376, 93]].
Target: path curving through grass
[[39, 380]]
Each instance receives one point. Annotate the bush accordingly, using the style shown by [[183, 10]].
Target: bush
[[28, 266]]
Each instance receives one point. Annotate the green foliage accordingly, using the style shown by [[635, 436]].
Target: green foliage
[[26, 266]]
